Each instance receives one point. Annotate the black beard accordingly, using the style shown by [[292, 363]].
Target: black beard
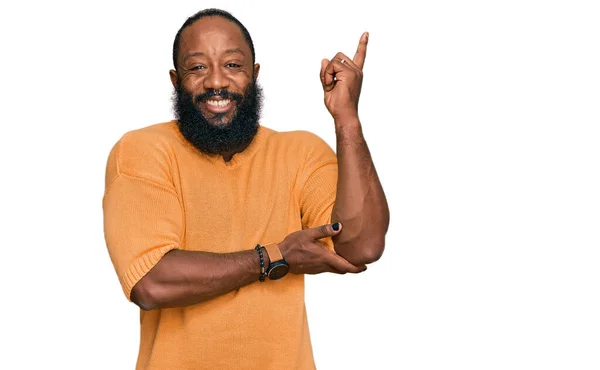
[[218, 138]]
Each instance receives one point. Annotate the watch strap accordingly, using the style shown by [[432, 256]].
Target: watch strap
[[274, 252]]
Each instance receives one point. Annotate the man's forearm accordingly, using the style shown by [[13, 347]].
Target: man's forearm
[[360, 203], [183, 278]]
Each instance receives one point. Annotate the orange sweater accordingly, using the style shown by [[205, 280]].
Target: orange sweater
[[162, 194]]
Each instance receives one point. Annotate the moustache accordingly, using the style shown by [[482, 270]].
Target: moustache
[[220, 93]]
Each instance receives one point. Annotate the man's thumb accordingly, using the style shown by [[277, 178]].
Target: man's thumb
[[326, 230]]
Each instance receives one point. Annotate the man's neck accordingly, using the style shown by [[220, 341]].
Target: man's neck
[[229, 154]]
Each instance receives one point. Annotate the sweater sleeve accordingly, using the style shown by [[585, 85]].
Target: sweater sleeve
[[143, 217], [318, 186]]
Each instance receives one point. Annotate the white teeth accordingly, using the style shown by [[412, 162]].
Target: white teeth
[[218, 103]]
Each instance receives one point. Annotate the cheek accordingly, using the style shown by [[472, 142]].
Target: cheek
[[240, 80], [192, 83]]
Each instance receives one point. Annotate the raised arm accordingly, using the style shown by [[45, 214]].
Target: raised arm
[[360, 203]]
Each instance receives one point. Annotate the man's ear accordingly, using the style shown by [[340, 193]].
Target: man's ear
[[256, 70], [173, 76]]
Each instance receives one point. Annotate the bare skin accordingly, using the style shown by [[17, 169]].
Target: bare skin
[[360, 205], [214, 55]]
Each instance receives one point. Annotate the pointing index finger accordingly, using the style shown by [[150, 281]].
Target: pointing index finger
[[361, 52]]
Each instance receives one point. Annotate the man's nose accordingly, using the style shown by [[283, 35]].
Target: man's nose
[[216, 79]]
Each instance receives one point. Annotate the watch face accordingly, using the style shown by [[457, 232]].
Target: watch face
[[278, 271]]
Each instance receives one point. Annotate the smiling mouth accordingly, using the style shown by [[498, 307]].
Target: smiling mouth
[[218, 105]]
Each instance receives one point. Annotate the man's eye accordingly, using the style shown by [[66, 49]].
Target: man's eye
[[232, 65], [197, 67]]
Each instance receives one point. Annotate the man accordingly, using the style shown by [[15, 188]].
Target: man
[[212, 220]]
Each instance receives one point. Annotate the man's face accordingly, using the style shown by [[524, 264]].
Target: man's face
[[215, 67]]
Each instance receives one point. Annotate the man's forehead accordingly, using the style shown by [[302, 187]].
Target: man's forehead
[[210, 33]]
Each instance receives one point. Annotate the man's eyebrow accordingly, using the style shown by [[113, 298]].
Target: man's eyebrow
[[201, 54], [234, 50], [196, 54]]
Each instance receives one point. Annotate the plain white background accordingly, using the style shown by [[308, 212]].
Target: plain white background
[[483, 121]]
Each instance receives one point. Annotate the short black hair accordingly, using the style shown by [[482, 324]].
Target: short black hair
[[211, 13]]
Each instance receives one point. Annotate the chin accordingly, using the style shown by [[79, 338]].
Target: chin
[[218, 119], [221, 122]]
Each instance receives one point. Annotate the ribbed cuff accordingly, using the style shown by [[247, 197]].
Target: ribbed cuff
[[140, 267]]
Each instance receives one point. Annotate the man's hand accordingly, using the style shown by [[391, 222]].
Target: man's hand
[[341, 78], [305, 255]]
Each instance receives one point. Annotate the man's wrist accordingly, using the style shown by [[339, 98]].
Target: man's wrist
[[280, 266], [346, 120]]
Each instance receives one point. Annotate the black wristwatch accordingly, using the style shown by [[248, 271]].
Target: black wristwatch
[[278, 267]]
